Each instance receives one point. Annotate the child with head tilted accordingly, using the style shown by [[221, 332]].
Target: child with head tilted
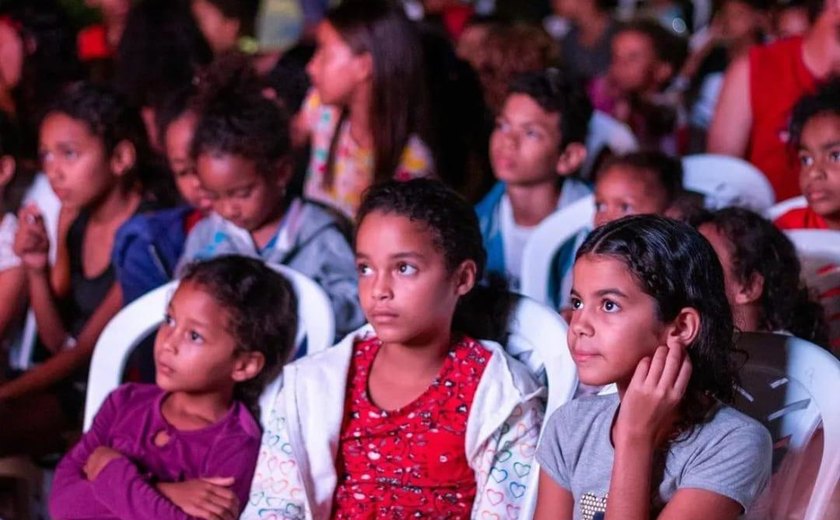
[[815, 134], [651, 316], [187, 447], [242, 156], [410, 417]]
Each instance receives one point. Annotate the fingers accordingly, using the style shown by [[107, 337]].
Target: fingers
[[657, 365], [684, 376], [673, 360], [220, 481], [641, 372]]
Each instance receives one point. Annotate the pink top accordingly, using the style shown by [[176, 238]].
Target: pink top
[[128, 422]]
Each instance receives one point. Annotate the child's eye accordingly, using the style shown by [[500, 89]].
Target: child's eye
[[834, 156], [600, 206], [805, 160], [533, 134], [610, 306], [70, 154], [363, 270], [577, 304], [243, 194], [406, 269], [168, 320], [195, 337], [502, 125], [626, 208]]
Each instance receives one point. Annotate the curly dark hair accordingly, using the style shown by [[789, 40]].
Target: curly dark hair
[[556, 91], [678, 268], [262, 314], [235, 118], [109, 117], [758, 247], [484, 311], [668, 170], [826, 100]]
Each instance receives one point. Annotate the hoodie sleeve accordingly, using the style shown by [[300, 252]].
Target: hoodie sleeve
[[506, 463], [277, 488]]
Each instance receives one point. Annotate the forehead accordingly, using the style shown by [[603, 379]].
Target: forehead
[[58, 126], [628, 178], [632, 40], [226, 171], [594, 272], [381, 231], [821, 127]]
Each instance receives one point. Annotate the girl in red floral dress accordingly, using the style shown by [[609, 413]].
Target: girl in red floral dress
[[410, 417]]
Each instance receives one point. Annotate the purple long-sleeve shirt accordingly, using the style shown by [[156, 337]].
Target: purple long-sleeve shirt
[[128, 422]]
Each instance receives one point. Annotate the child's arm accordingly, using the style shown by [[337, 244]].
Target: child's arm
[[554, 502], [12, 291], [729, 133], [65, 362], [511, 456], [649, 403], [60, 273]]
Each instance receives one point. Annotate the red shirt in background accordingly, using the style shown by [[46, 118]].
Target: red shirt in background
[[778, 78], [800, 218]]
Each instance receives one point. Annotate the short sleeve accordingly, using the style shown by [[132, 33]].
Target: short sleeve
[[8, 229], [736, 465], [550, 453]]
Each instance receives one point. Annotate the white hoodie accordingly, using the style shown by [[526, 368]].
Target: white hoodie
[[296, 477]]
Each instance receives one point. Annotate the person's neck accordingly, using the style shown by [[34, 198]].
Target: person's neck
[[747, 318], [360, 122], [592, 26], [265, 232], [193, 411], [533, 203], [116, 206], [422, 357]]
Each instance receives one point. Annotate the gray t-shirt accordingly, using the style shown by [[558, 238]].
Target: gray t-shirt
[[729, 455]]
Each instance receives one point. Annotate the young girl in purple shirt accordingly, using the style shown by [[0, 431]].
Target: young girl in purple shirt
[[187, 447]]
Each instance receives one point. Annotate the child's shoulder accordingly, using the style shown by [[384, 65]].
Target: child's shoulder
[[134, 396], [580, 413], [728, 424]]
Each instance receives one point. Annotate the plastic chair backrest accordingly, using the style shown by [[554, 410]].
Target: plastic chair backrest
[[606, 133], [727, 181], [791, 386], [819, 253], [134, 323], [546, 240], [786, 205]]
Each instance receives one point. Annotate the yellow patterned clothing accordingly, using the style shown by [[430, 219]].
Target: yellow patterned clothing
[[353, 165]]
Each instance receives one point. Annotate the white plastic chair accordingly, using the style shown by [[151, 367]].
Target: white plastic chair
[[786, 205], [134, 323], [546, 240], [791, 386], [606, 133], [727, 181], [819, 253]]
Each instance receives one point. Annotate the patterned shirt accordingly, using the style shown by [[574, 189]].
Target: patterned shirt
[[410, 462], [353, 164]]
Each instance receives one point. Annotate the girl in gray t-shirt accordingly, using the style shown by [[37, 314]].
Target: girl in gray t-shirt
[[651, 316]]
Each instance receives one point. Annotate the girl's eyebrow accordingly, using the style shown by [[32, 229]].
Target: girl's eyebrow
[[611, 292], [829, 145]]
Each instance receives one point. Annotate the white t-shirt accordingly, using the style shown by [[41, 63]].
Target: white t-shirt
[[514, 243], [8, 228]]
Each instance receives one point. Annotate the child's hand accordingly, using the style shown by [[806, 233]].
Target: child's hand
[[207, 498], [32, 244], [97, 461], [657, 387]]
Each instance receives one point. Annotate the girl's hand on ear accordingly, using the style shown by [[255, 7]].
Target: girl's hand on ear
[[32, 244], [651, 400]]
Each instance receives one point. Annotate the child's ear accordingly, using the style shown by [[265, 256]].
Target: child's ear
[[465, 277], [7, 169], [364, 67], [248, 366], [751, 291], [123, 158], [571, 159], [684, 329], [284, 169]]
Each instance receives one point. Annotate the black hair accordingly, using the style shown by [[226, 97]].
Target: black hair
[[398, 102], [262, 314], [235, 118], [557, 91], [10, 146], [758, 247], [288, 79], [825, 101], [50, 63], [678, 268], [244, 11], [177, 104], [484, 311], [109, 117], [606, 6], [667, 170], [667, 46], [159, 52]]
